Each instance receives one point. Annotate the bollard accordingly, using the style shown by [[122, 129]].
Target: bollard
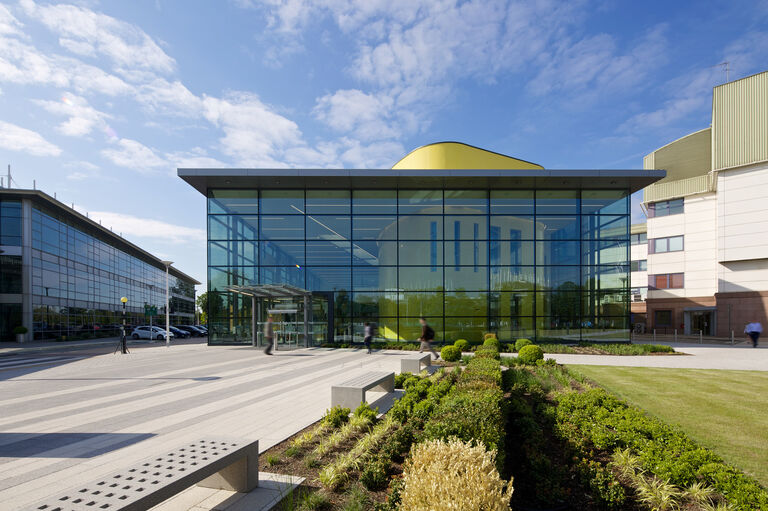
[[654, 335], [675, 334], [732, 340], [701, 341]]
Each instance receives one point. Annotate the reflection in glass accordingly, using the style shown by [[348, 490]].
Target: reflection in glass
[[604, 252], [513, 228], [328, 253], [374, 202], [513, 327], [421, 304], [469, 278], [421, 253], [374, 304], [376, 227], [512, 202], [468, 253], [282, 253], [512, 304], [416, 278], [562, 227], [232, 227], [604, 227], [283, 202], [282, 275], [410, 328], [233, 253], [466, 227], [466, 303], [605, 202], [551, 278], [328, 227], [328, 202], [470, 329], [604, 303], [558, 252], [374, 253], [508, 278], [233, 201], [466, 202], [420, 202], [606, 277], [420, 227], [557, 202], [374, 278], [287, 227], [328, 278]]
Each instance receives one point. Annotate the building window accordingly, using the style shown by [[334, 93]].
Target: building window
[[10, 274], [639, 265], [639, 238], [665, 281], [10, 223], [433, 246], [638, 294], [665, 208], [662, 317], [662, 245]]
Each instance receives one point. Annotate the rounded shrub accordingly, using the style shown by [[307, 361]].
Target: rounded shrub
[[336, 416], [450, 353], [522, 342], [365, 411], [462, 344], [530, 354], [492, 341], [20, 330]]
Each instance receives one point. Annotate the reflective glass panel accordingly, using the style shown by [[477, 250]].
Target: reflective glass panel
[[470, 329], [605, 202], [604, 227], [466, 227], [420, 227], [513, 227], [374, 304], [511, 252], [604, 303], [421, 253], [328, 202], [328, 253], [409, 329], [562, 227], [283, 227], [513, 327], [421, 304], [365, 278], [233, 253], [374, 202], [466, 202], [420, 202], [552, 278], [512, 202], [282, 253], [606, 277], [557, 202], [283, 275], [558, 252], [468, 278], [507, 278], [418, 278], [233, 201], [512, 304], [463, 303], [328, 278], [374, 253], [466, 253], [283, 202], [604, 252], [375, 227], [328, 227]]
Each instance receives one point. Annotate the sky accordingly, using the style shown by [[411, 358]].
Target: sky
[[101, 101]]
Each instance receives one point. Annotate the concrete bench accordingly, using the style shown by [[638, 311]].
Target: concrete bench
[[351, 393], [213, 463], [412, 363]]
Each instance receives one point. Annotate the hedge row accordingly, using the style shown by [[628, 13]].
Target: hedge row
[[595, 418]]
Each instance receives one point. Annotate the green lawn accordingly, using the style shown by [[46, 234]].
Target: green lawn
[[726, 411]]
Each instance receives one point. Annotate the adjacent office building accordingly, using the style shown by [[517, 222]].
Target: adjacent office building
[[472, 240], [62, 275], [707, 228]]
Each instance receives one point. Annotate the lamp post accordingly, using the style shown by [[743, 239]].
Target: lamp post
[[123, 347], [167, 310]]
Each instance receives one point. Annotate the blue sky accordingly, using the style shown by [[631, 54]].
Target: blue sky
[[101, 101]]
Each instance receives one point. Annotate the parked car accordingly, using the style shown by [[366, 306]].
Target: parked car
[[149, 332], [203, 328], [179, 333], [194, 332]]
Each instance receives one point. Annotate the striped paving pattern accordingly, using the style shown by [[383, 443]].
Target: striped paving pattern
[[66, 425], [20, 361]]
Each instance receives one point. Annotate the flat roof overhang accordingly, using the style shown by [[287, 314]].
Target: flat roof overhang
[[204, 179]]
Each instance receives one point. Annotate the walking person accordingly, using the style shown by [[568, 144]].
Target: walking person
[[368, 336], [753, 330], [269, 335], [427, 336]]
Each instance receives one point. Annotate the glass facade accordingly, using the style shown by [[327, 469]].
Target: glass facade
[[541, 264], [78, 279]]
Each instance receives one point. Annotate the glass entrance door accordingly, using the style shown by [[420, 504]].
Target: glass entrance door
[[701, 321], [322, 318]]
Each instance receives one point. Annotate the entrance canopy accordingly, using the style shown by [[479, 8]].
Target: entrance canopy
[[270, 291]]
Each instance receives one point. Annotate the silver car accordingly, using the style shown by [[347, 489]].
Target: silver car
[[149, 332]]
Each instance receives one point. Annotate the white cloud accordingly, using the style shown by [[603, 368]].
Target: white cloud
[[82, 118], [353, 110], [133, 226], [16, 138], [8, 23], [134, 155], [197, 157], [86, 32], [24, 64], [164, 97], [253, 133]]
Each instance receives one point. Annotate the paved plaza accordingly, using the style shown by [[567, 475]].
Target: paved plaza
[[78, 417], [68, 424]]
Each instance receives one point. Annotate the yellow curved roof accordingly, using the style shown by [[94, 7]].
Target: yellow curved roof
[[457, 156]]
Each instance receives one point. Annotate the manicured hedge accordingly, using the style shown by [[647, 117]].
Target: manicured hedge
[[595, 418]]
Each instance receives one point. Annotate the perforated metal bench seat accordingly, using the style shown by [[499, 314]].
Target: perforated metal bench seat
[[351, 393], [213, 463], [412, 363]]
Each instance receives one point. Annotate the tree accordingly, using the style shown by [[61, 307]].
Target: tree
[[202, 305]]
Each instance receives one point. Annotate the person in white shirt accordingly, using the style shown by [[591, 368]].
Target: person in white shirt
[[753, 330]]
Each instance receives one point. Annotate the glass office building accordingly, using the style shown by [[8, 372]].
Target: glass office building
[[63, 275], [521, 253]]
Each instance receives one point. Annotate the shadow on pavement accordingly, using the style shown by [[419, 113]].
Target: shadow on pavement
[[32, 445]]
